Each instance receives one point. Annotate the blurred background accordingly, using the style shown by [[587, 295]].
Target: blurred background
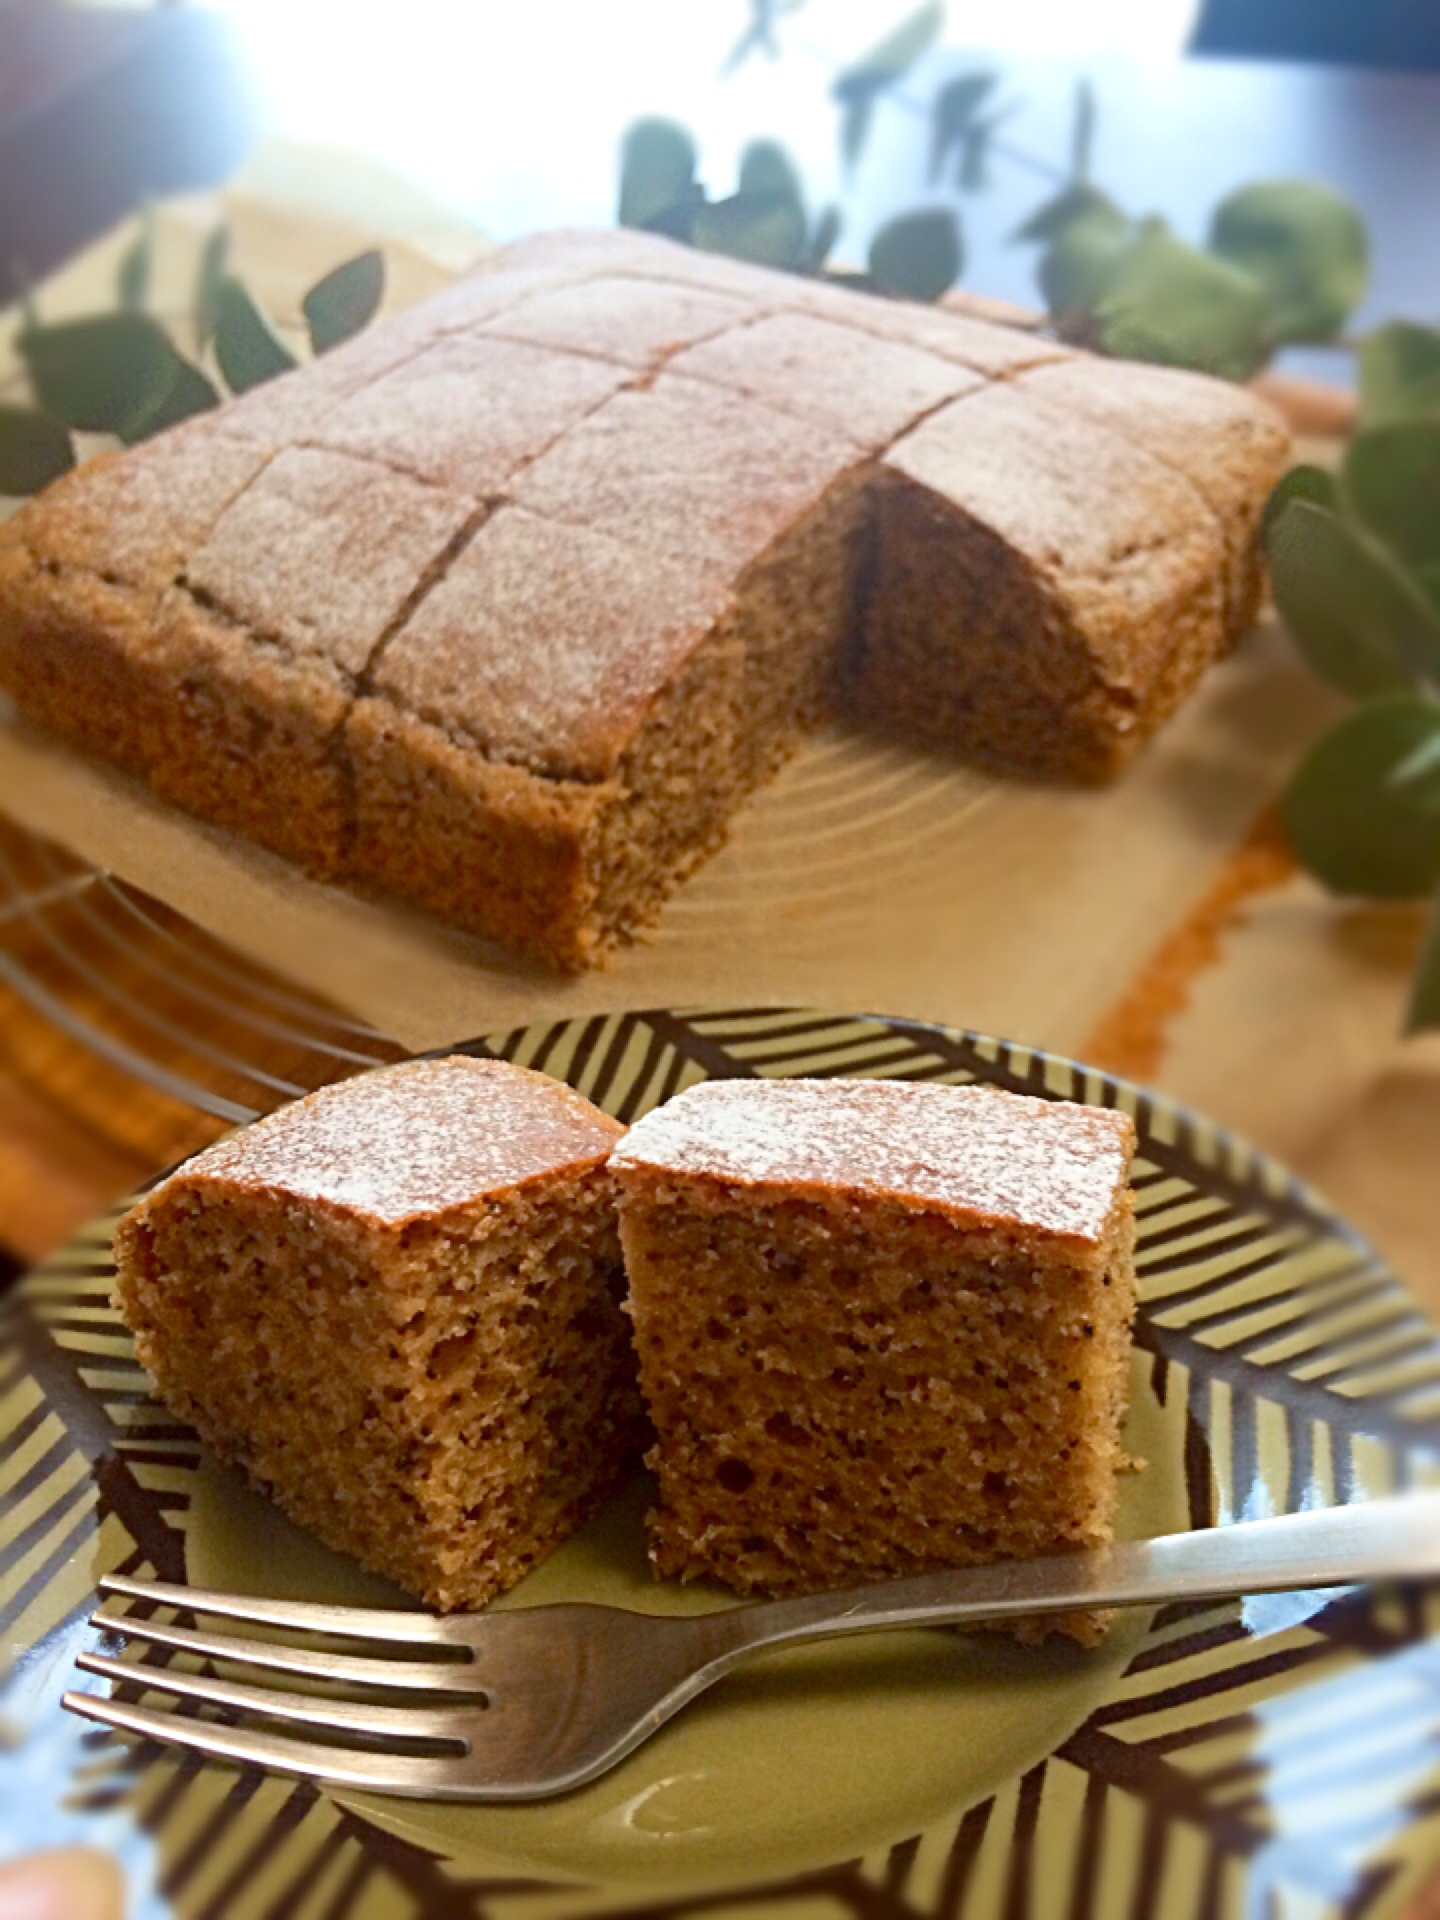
[[510, 117]]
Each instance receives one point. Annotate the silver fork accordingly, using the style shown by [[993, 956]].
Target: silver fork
[[524, 1704]]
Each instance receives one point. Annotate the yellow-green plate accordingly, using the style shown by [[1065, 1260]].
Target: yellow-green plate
[[1263, 1757]]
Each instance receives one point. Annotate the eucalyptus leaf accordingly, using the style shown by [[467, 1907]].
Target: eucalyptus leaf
[[209, 278], [974, 169], [956, 109], [1357, 619], [855, 127], [859, 86], [1392, 484], [34, 450], [678, 222], [189, 393], [1423, 1013], [1083, 258], [765, 167], [132, 279], [1300, 483], [1305, 244], [822, 240], [25, 295], [100, 374], [246, 345], [347, 299], [1062, 209], [1348, 824], [1426, 582], [1399, 368], [759, 35], [657, 170], [1082, 136], [917, 255], [1419, 774], [892, 58], [1168, 302], [766, 228]]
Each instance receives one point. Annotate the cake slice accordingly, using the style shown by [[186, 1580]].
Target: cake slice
[[1051, 590], [396, 1304], [882, 1327]]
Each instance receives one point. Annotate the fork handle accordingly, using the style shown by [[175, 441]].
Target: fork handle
[[1392, 1539]]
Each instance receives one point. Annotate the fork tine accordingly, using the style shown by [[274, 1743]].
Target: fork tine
[[300, 1616], [436, 1676], [408, 1774], [316, 1710]]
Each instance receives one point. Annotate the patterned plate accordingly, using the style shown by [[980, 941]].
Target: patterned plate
[[1274, 1757]]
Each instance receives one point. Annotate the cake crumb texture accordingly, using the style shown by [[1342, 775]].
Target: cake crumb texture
[[869, 1350], [396, 1304]]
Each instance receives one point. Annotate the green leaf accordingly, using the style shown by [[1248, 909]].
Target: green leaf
[[209, 278], [859, 86], [765, 167], [1426, 582], [1300, 483], [1082, 136], [132, 280], [760, 34], [955, 111], [766, 228], [345, 300], [917, 255], [1305, 244], [974, 172], [25, 296], [1349, 825], [1423, 1012], [1168, 302], [657, 170], [100, 374], [34, 450], [189, 393], [1419, 775], [1399, 367], [1359, 622], [1083, 258], [1392, 483], [822, 240], [855, 127], [892, 58], [246, 345], [1072, 203]]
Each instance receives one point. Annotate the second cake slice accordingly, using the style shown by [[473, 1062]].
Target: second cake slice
[[883, 1327]]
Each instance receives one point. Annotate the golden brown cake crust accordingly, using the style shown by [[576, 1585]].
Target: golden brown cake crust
[[977, 1155], [412, 1140], [676, 436], [882, 1327], [396, 1304]]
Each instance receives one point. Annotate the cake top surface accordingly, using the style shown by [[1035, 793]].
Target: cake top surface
[[413, 1140], [520, 506], [975, 1153]]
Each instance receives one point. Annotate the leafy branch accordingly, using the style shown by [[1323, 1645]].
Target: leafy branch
[[121, 373], [1284, 261], [1355, 562]]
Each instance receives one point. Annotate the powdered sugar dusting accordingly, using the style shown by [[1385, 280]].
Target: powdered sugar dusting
[[412, 1140], [1050, 1166]]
